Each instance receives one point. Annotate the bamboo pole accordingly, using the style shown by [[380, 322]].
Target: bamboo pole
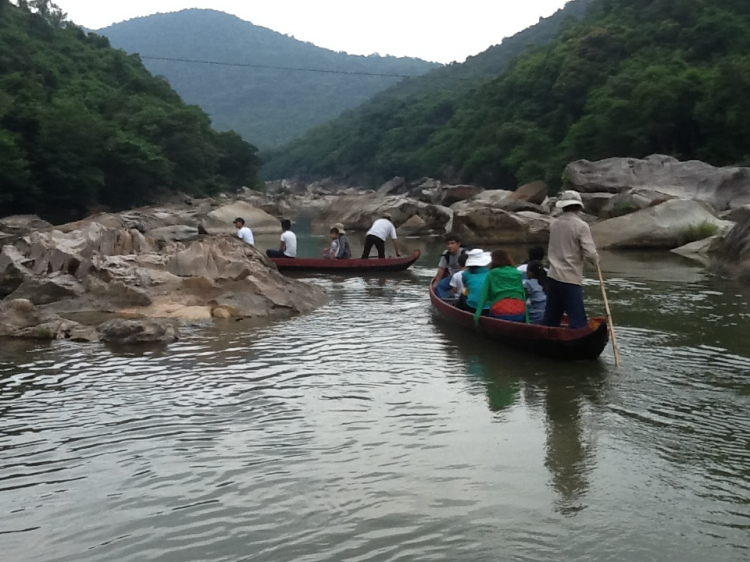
[[611, 325]]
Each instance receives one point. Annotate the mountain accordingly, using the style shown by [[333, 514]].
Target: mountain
[[378, 139], [267, 106], [83, 125], [631, 78]]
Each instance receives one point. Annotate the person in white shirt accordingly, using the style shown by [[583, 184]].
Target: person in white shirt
[[379, 232], [243, 232], [288, 248]]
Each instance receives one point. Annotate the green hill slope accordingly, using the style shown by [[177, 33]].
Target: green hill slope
[[267, 106], [83, 125], [378, 139], [632, 78]]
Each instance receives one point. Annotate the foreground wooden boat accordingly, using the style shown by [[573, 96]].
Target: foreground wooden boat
[[556, 343], [320, 265]]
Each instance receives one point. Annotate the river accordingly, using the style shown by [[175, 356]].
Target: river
[[371, 431]]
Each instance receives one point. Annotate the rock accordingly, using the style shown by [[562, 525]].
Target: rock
[[496, 226], [738, 214], [117, 294], [455, 193], [722, 188], [700, 250], [21, 225], [489, 198], [734, 252], [13, 270], [358, 212], [534, 192], [413, 225], [631, 201], [46, 290], [392, 187], [106, 220], [240, 306], [594, 203], [177, 233], [21, 319], [128, 332], [220, 221], [221, 312], [663, 226]]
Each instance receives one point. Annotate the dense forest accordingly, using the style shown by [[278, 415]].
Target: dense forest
[[84, 125], [631, 78], [266, 105]]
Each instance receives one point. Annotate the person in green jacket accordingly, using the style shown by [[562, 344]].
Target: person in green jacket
[[503, 290]]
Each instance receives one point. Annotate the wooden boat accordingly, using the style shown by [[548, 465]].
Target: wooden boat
[[373, 265], [556, 343]]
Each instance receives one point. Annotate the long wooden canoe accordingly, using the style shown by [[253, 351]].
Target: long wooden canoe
[[556, 343], [320, 265]]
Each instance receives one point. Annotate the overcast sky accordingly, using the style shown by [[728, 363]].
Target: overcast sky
[[436, 30]]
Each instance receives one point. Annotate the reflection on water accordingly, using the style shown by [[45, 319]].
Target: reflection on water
[[371, 430]]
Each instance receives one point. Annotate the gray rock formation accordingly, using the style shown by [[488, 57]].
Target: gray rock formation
[[220, 221], [121, 331], [20, 225], [19, 318], [734, 252], [490, 225], [662, 226], [357, 212], [535, 192], [722, 188]]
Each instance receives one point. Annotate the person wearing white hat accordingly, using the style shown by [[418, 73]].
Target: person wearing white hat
[[570, 243], [379, 232], [477, 262]]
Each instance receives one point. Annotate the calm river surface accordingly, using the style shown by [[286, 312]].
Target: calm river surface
[[371, 431]]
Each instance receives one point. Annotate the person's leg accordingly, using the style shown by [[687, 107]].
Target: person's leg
[[554, 309], [573, 305], [444, 288], [368, 245], [380, 245], [275, 254]]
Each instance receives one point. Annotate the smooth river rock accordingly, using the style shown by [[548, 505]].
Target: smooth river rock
[[723, 188], [121, 331], [220, 221], [734, 251], [662, 226], [489, 225]]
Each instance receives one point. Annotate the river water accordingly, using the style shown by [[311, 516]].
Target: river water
[[371, 431]]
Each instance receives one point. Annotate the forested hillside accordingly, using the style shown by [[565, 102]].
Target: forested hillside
[[631, 78], [267, 106], [83, 125]]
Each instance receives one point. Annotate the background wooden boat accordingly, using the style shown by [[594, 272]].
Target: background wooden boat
[[557, 343], [346, 266]]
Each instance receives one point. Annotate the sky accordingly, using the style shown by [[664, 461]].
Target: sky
[[435, 30]]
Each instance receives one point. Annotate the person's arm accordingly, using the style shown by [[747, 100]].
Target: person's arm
[[439, 275], [395, 245], [588, 246], [482, 300]]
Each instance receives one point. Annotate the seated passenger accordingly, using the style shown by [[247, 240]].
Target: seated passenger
[[536, 253], [536, 297], [503, 290], [473, 279], [344, 251], [448, 266], [330, 252], [457, 281]]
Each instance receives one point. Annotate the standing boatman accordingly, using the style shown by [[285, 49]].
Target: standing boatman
[[570, 242], [379, 232]]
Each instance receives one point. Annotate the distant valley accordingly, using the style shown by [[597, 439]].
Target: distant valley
[[267, 106]]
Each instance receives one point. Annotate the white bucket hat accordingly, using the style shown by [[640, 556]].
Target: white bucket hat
[[478, 258], [568, 198]]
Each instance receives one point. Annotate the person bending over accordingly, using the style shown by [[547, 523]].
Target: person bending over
[[379, 232]]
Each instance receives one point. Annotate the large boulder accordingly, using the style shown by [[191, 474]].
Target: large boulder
[[358, 212], [737, 214], [668, 225], [454, 193], [722, 188], [734, 251], [21, 225], [46, 290], [220, 221], [535, 192], [631, 201], [176, 233], [490, 225], [392, 187], [120, 331], [14, 270], [19, 318]]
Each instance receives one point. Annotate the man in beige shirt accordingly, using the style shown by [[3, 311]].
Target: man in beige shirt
[[570, 243]]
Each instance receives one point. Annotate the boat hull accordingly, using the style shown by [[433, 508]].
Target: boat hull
[[556, 343], [346, 266]]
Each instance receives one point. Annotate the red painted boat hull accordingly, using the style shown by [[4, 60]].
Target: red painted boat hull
[[342, 267], [557, 343]]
